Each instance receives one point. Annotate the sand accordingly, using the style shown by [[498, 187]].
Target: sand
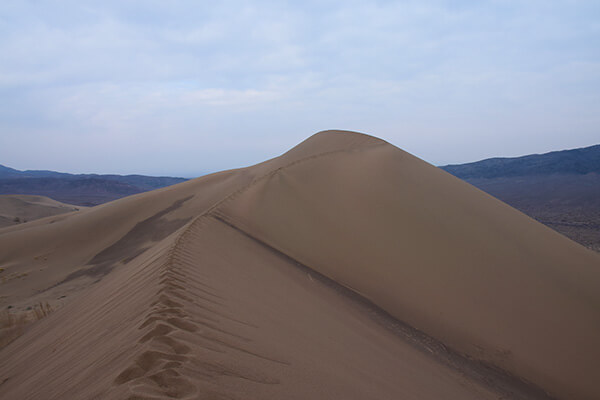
[[345, 268], [17, 209]]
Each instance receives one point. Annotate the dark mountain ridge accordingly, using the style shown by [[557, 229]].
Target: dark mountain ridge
[[79, 189], [576, 161]]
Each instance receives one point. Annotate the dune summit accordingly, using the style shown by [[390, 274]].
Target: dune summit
[[345, 268]]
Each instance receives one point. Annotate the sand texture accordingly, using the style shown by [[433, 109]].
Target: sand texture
[[344, 269], [17, 209]]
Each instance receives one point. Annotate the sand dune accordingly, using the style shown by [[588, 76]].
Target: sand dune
[[345, 268], [16, 209]]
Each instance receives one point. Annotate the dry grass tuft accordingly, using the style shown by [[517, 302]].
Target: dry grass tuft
[[12, 326], [42, 310]]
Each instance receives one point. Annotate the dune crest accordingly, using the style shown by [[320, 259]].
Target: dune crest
[[345, 268]]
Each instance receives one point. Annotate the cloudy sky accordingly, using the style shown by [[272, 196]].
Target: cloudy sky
[[189, 87]]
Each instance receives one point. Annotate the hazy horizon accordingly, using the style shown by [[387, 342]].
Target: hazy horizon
[[210, 172], [185, 89]]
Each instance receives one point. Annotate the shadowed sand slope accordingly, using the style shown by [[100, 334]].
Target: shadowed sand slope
[[345, 268]]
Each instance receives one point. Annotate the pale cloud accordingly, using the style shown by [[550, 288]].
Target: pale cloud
[[206, 86]]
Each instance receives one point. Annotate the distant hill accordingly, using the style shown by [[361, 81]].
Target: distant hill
[[577, 161], [78, 189], [560, 189]]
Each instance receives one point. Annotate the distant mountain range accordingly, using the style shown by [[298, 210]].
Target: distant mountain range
[[78, 189], [577, 161], [560, 189]]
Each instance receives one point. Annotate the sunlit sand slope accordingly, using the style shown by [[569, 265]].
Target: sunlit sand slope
[[438, 254]]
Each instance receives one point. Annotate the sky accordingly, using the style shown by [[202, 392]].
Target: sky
[[187, 87]]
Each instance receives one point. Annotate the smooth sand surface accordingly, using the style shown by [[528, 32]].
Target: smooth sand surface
[[345, 268], [16, 209]]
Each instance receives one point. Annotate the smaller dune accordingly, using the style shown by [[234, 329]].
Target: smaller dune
[[17, 209]]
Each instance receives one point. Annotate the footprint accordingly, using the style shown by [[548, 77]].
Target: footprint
[[173, 385], [167, 302], [183, 324], [151, 359], [159, 330], [129, 374], [177, 347]]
